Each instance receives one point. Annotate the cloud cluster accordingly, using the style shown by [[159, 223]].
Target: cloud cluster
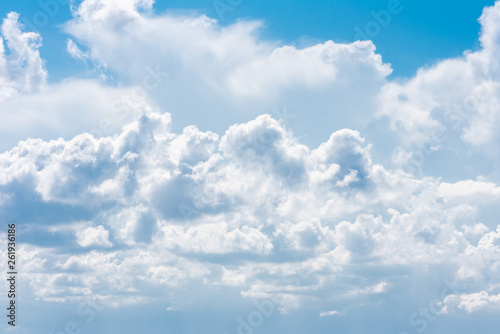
[[110, 190], [249, 209], [234, 73]]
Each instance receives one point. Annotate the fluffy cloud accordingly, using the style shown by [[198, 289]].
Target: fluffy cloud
[[255, 198], [31, 107], [472, 302], [21, 69], [234, 73], [93, 236], [452, 105], [116, 187], [236, 76]]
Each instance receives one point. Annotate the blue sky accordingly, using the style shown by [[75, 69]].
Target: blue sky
[[251, 166]]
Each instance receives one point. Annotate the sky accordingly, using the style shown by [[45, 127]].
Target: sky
[[241, 166]]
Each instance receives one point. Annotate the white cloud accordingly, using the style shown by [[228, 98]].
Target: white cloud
[[328, 313], [214, 238], [468, 188], [313, 67], [251, 198], [67, 109], [450, 105], [234, 73], [93, 236], [30, 107], [250, 206], [75, 51], [22, 69], [471, 302]]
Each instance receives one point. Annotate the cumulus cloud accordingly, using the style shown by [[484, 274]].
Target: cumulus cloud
[[252, 198], [93, 236], [235, 74], [472, 302], [21, 69], [242, 200], [215, 238], [31, 107], [450, 106]]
